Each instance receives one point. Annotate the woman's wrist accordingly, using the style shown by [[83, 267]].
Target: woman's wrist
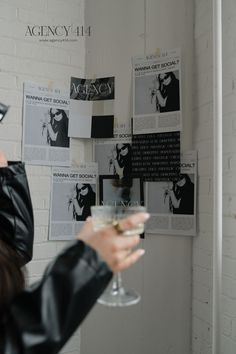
[[3, 159]]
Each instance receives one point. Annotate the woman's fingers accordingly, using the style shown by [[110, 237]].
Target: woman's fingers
[[126, 242], [3, 159], [115, 248], [127, 261], [133, 220]]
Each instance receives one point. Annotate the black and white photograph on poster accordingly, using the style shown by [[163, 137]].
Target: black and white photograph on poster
[[156, 157], [73, 192], [3, 110], [157, 93], [45, 126], [92, 107], [124, 192], [172, 204], [114, 155], [80, 201]]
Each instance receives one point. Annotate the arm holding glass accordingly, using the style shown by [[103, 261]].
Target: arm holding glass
[[45, 315]]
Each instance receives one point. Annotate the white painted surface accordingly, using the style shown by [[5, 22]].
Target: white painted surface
[[218, 173], [161, 323], [203, 142], [228, 329]]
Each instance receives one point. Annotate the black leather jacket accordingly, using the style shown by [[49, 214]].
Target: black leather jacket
[[43, 317], [16, 213]]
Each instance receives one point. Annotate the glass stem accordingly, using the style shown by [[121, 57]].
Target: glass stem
[[117, 282]]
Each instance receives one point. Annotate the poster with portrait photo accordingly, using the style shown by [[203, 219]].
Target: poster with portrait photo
[[45, 126], [114, 155], [73, 192], [92, 107], [172, 204], [3, 110], [157, 93]]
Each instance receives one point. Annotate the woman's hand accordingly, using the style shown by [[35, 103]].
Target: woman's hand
[[74, 196], [157, 83], [115, 249], [3, 159], [114, 154], [171, 186]]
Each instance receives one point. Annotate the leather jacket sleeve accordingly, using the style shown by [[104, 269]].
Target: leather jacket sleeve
[[42, 318], [16, 213]]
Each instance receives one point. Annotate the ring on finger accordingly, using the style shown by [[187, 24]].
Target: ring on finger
[[117, 227]]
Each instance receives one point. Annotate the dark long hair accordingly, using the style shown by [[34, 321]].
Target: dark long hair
[[11, 275], [124, 161], [89, 199], [87, 185], [58, 111]]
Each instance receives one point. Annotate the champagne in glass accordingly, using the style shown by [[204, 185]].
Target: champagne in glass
[[124, 212], [103, 216]]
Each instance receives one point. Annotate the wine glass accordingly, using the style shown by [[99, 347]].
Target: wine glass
[[117, 295]]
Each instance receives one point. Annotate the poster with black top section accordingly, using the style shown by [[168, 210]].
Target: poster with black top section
[[172, 204], [92, 107], [156, 157], [121, 192], [117, 191]]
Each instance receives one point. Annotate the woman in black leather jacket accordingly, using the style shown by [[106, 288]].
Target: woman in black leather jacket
[[41, 319]]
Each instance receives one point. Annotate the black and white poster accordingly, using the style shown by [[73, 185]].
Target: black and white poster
[[45, 126], [3, 110], [73, 192], [172, 204], [92, 107], [157, 93], [156, 157], [114, 155], [120, 191]]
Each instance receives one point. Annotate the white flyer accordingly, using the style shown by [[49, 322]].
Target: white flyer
[[172, 205], [45, 126], [73, 192], [157, 93]]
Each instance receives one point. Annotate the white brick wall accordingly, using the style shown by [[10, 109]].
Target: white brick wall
[[203, 142], [202, 251], [23, 59]]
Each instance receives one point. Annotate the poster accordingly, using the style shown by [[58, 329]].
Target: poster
[[45, 126], [114, 155], [172, 204], [73, 192], [156, 157], [3, 110], [116, 191], [92, 107], [157, 93]]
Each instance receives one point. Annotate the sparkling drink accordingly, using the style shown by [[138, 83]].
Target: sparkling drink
[[103, 216]]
